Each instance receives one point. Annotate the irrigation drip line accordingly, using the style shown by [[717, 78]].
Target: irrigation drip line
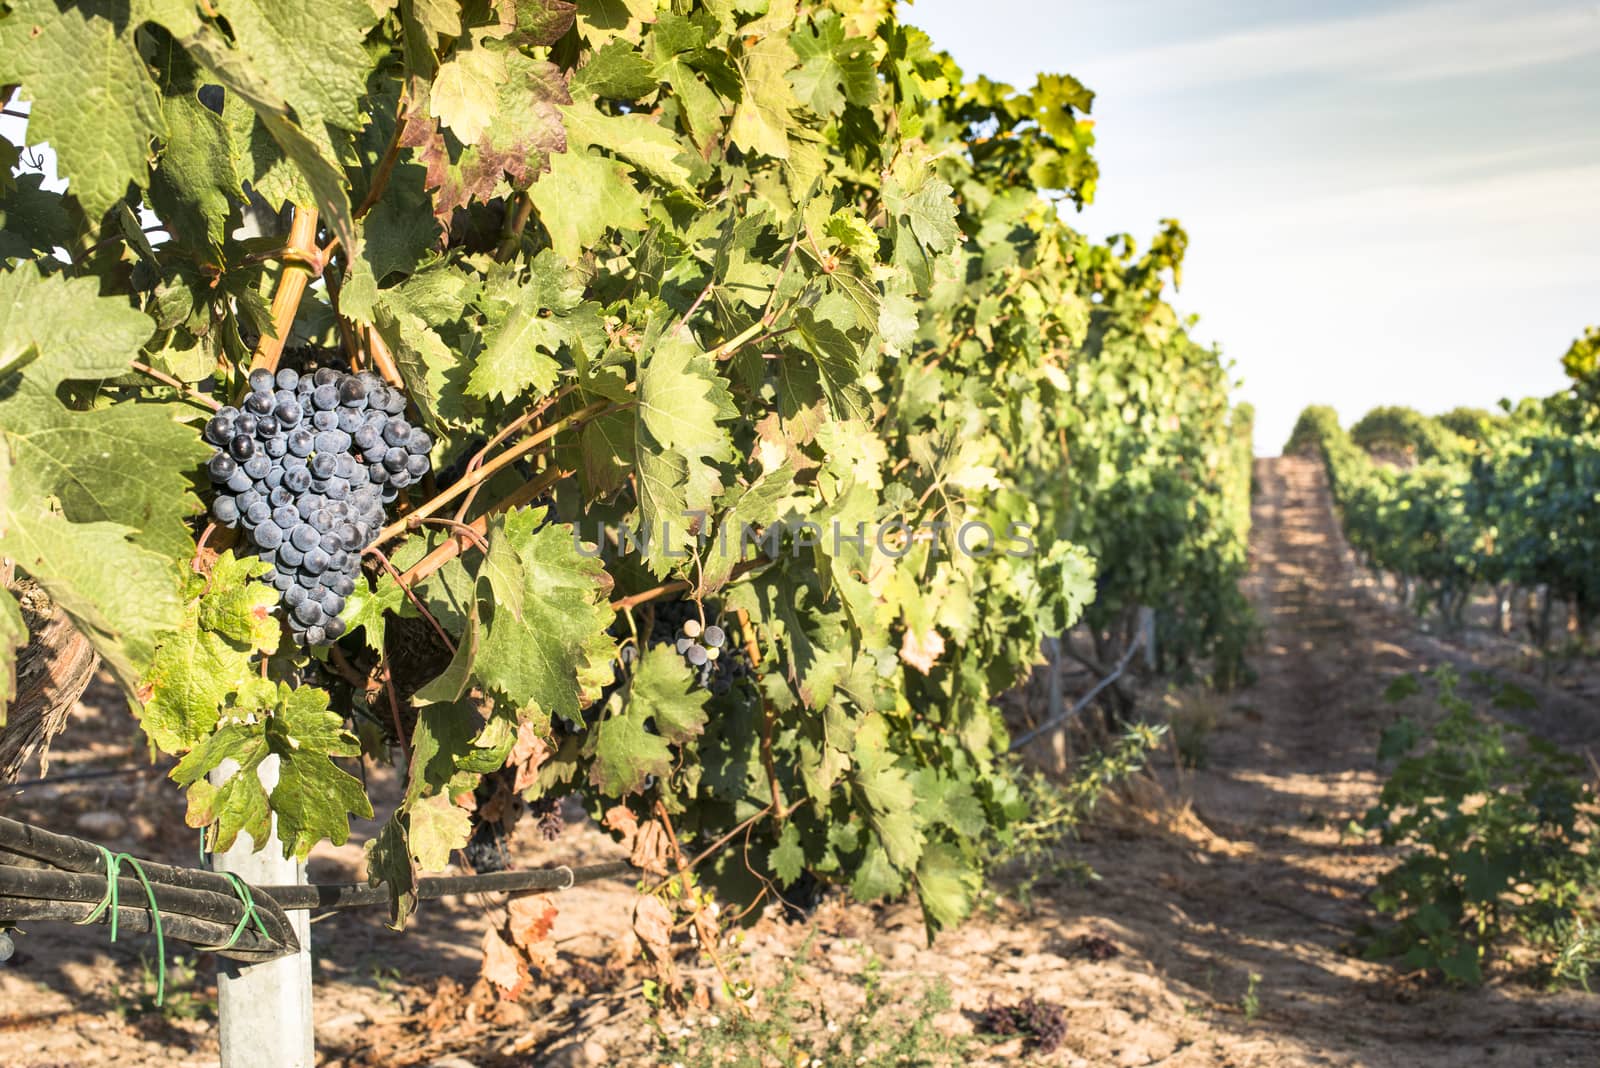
[[321, 896], [46, 876], [1066, 717]]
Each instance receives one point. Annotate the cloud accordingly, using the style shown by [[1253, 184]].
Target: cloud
[[1432, 42]]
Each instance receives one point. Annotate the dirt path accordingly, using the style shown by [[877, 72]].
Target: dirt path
[[1206, 877]]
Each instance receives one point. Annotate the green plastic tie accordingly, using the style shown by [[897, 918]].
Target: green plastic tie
[[114, 862], [251, 915]]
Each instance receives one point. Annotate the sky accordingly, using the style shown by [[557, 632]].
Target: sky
[[1387, 203]]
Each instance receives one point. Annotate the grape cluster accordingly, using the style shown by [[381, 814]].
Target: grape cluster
[[305, 466], [1044, 1022], [717, 666]]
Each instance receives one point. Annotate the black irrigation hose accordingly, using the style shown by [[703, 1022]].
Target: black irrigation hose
[[54, 877], [361, 895], [221, 911], [251, 948]]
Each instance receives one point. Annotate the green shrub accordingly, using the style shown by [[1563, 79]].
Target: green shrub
[[1498, 833]]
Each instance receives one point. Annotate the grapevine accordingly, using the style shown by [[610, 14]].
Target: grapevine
[[728, 421]]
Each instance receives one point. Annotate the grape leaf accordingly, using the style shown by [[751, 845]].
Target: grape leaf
[[92, 96], [196, 671], [436, 828], [519, 354], [787, 860], [582, 197], [601, 20], [625, 751], [123, 464], [947, 885], [523, 132], [761, 122], [537, 660], [886, 788], [682, 401], [467, 87], [313, 798]]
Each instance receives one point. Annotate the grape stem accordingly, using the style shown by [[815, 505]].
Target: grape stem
[[382, 359], [511, 428], [453, 548], [188, 391], [490, 469], [416, 602], [292, 281]]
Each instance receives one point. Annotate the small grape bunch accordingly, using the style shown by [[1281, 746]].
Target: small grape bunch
[[705, 647], [305, 466]]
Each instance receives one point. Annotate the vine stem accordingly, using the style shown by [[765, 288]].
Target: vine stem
[[666, 589], [416, 602], [189, 392], [708, 933], [394, 710], [509, 429], [382, 358], [391, 156], [300, 253], [516, 222], [453, 548], [489, 470]]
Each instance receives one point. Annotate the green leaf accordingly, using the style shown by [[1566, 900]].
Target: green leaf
[[887, 790], [636, 138], [615, 72], [582, 197], [197, 671], [762, 121], [520, 354], [787, 860], [539, 658], [678, 436], [626, 751], [312, 800], [947, 885], [601, 20], [92, 96]]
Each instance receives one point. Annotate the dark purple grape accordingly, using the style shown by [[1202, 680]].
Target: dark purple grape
[[267, 535], [350, 420], [316, 561], [395, 433], [289, 555], [259, 404], [395, 460], [238, 482], [276, 446], [332, 627], [325, 420], [225, 510], [261, 380], [258, 467], [301, 442], [297, 480], [246, 424], [304, 537], [325, 376], [315, 636], [287, 413], [368, 438], [418, 443], [294, 596], [287, 378], [308, 612], [353, 393], [325, 398], [696, 655], [219, 429], [266, 427], [714, 636]]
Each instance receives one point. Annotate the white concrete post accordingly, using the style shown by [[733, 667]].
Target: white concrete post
[[265, 1009]]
